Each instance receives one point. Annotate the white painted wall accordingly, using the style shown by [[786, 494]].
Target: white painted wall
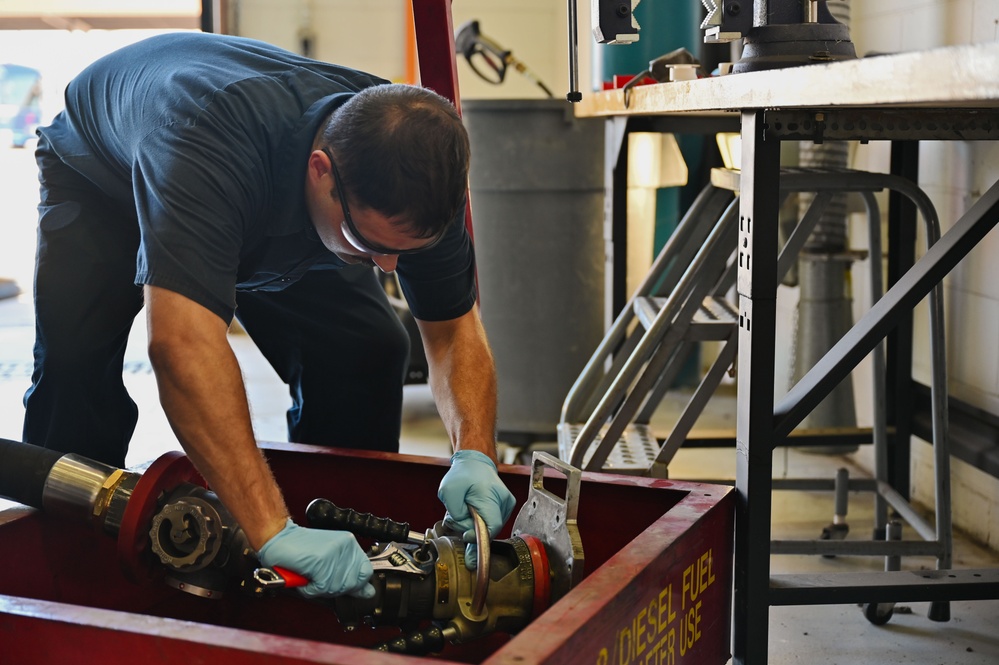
[[953, 174], [370, 35]]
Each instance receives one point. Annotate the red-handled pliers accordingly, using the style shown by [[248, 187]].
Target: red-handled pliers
[[278, 578]]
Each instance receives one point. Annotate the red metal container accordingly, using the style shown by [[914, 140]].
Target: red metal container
[[657, 587]]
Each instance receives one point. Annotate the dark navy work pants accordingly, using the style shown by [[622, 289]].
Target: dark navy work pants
[[332, 337]]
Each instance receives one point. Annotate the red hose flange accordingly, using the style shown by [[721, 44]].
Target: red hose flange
[[542, 574], [163, 475]]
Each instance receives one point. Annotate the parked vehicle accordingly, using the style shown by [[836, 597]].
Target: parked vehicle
[[20, 104]]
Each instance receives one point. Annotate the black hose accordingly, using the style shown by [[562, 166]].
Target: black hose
[[23, 471]]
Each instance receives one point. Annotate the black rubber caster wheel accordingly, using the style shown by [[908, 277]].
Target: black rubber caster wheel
[[879, 613]]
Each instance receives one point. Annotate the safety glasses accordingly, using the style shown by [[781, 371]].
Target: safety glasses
[[349, 229]]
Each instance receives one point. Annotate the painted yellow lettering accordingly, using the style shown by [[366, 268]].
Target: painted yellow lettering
[[666, 607], [690, 629], [686, 588], [624, 647], [702, 572], [639, 624], [653, 611]]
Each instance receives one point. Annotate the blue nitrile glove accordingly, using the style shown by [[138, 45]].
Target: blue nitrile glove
[[332, 560], [473, 481]]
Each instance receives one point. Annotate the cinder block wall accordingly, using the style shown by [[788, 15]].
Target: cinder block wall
[[953, 174]]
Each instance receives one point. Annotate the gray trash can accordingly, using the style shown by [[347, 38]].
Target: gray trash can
[[537, 190]]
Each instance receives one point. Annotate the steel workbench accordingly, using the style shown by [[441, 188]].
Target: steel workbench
[[941, 94]]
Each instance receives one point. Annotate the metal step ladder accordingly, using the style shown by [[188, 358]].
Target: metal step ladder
[[687, 297], [680, 302], [684, 299]]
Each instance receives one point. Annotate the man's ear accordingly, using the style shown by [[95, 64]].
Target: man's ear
[[318, 167]]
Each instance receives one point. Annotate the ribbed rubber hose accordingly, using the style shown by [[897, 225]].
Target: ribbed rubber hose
[[23, 470], [830, 234]]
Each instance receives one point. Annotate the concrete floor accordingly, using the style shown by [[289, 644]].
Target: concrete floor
[[821, 634]]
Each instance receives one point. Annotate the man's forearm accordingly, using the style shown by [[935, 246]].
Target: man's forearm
[[202, 392], [463, 381], [224, 451]]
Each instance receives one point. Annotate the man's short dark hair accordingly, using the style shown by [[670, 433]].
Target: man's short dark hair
[[403, 151]]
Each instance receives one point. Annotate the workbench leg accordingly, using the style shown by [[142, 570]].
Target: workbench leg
[[616, 217], [757, 285], [899, 396]]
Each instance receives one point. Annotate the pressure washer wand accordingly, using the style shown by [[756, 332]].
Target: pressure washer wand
[[488, 59]]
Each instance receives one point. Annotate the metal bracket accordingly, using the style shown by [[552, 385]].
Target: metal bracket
[[613, 21], [726, 20], [552, 519]]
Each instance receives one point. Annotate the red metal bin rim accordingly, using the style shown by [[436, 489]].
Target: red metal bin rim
[[587, 617]]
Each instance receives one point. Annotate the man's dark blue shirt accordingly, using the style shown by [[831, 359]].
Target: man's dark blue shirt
[[205, 140]]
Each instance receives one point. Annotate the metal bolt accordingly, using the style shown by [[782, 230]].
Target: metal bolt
[[623, 10], [733, 9]]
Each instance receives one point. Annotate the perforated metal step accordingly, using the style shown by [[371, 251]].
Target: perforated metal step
[[714, 320], [634, 452]]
